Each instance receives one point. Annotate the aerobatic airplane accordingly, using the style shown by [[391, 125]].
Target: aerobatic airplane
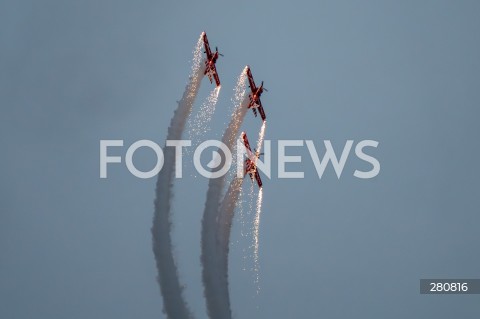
[[250, 162], [255, 94], [210, 69]]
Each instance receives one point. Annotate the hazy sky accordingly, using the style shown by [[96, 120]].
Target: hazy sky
[[403, 73]]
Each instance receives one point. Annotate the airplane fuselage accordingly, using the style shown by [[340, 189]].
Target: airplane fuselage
[[250, 167], [255, 97], [255, 101]]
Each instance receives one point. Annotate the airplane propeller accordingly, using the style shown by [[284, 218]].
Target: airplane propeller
[[263, 87], [216, 50], [257, 153]]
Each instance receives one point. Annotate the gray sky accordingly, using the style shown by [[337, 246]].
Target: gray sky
[[404, 73]]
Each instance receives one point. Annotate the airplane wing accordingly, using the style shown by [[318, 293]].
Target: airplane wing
[[207, 47], [246, 143], [259, 180], [215, 75], [261, 111], [253, 87]]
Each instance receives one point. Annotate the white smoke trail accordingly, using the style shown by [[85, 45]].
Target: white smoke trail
[[246, 231], [170, 287], [227, 210], [261, 136], [226, 214], [256, 223], [256, 230], [200, 123], [215, 284]]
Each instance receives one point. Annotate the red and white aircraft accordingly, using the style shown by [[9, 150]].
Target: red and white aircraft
[[250, 162], [210, 69], [254, 96]]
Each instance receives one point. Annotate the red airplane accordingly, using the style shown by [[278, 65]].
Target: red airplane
[[254, 96], [250, 165], [210, 69]]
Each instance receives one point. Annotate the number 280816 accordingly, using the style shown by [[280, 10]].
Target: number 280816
[[448, 287]]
